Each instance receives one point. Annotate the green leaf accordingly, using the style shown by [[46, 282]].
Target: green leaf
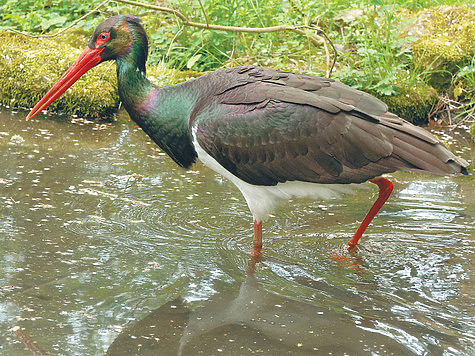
[[388, 90], [193, 60], [53, 22]]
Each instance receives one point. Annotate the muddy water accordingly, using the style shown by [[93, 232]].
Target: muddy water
[[107, 247]]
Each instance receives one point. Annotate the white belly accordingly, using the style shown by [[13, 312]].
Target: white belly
[[261, 199]]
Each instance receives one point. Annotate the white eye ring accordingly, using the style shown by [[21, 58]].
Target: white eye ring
[[103, 37]]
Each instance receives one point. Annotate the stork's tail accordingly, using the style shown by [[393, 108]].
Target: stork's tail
[[417, 150]]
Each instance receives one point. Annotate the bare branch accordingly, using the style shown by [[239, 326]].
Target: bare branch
[[204, 12], [155, 7], [29, 343], [329, 70], [301, 30]]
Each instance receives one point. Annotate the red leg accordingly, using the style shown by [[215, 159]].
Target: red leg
[[256, 251], [385, 189]]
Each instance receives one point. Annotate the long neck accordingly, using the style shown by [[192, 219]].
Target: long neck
[[160, 112]]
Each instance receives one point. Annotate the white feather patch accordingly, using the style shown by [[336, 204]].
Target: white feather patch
[[261, 199]]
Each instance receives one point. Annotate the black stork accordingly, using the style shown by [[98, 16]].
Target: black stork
[[274, 134]]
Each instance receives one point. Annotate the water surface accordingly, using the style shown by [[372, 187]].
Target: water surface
[[106, 246]]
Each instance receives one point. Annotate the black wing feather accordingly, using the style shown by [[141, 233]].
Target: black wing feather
[[268, 126]]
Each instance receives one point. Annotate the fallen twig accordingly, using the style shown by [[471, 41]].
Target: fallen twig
[[133, 175], [112, 196], [446, 106], [30, 344], [5, 180]]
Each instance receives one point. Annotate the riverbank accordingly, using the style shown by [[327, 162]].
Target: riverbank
[[442, 51]]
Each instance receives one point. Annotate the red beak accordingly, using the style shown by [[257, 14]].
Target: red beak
[[88, 59]]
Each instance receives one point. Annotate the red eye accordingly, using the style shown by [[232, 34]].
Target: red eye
[[102, 38]]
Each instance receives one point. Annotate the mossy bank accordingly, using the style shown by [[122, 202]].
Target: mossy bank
[[445, 41], [411, 103], [30, 66]]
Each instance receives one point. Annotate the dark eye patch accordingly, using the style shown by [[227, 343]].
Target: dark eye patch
[[102, 38]]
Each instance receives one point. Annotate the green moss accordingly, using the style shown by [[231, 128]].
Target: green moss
[[162, 76], [75, 37], [412, 103], [445, 41], [29, 67]]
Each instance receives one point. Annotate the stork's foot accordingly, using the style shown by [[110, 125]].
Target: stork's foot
[[255, 252], [257, 243], [352, 261], [344, 250], [339, 258], [385, 189]]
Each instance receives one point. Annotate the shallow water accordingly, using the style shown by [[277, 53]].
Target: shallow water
[[106, 246]]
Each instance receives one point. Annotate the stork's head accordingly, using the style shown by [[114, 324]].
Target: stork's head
[[113, 39]]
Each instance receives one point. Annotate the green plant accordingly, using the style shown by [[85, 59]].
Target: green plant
[[464, 90], [42, 16], [382, 59]]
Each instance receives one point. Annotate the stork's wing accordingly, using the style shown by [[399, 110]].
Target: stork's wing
[[267, 127]]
